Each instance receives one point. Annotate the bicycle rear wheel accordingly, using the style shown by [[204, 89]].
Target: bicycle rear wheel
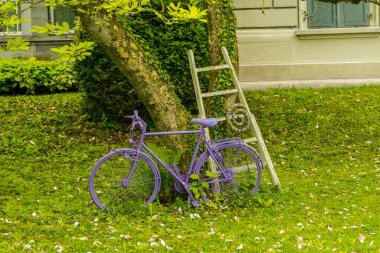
[[106, 178], [240, 162]]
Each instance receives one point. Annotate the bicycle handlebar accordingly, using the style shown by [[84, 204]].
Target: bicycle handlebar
[[136, 120]]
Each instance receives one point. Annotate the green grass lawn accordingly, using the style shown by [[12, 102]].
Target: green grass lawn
[[325, 144]]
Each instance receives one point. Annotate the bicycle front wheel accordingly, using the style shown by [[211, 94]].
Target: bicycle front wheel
[[242, 168], [106, 187]]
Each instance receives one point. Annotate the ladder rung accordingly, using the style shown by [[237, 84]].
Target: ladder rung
[[243, 168], [225, 66], [249, 140], [218, 93]]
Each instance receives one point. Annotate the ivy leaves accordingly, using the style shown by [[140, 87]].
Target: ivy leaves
[[198, 187]]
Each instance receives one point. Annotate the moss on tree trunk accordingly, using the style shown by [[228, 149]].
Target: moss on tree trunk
[[120, 45]]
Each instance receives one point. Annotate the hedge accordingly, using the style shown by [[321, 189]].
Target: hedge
[[35, 77]]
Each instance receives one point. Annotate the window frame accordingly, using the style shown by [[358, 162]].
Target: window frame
[[18, 30], [51, 18], [303, 19]]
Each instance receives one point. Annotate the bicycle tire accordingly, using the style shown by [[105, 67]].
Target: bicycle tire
[[105, 184], [241, 161]]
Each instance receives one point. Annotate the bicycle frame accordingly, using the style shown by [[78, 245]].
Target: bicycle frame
[[201, 136], [178, 177], [141, 153]]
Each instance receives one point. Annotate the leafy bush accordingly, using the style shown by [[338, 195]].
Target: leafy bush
[[35, 77], [109, 96]]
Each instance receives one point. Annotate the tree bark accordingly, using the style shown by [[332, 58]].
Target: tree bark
[[158, 97]]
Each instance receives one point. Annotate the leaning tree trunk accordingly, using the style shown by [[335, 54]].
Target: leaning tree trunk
[[221, 32], [120, 45]]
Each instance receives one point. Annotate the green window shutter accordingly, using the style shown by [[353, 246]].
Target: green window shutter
[[63, 14], [353, 15], [321, 14]]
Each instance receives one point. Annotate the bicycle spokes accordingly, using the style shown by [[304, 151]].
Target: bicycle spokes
[[239, 174], [112, 190]]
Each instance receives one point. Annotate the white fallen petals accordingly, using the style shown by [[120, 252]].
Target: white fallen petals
[[164, 244], [240, 247], [300, 242], [127, 237], [58, 248], [97, 242], [76, 224], [194, 215], [28, 246], [211, 232]]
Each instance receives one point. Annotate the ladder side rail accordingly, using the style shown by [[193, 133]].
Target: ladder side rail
[[198, 95], [198, 92], [259, 137], [197, 87]]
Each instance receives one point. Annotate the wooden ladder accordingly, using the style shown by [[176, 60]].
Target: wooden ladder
[[236, 90]]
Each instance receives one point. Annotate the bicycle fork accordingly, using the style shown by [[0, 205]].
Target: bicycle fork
[[134, 160]]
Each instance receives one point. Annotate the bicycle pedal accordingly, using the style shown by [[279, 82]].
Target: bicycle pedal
[[196, 204]]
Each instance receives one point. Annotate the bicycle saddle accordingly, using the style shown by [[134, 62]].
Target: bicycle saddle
[[205, 122]]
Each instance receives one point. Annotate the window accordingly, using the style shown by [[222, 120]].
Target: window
[[60, 15], [15, 28], [329, 15]]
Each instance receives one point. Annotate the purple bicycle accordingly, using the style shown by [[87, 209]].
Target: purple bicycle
[[129, 176]]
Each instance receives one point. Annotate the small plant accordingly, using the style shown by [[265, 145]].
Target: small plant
[[199, 188]]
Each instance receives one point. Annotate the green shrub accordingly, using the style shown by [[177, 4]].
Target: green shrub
[[109, 96], [35, 77]]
